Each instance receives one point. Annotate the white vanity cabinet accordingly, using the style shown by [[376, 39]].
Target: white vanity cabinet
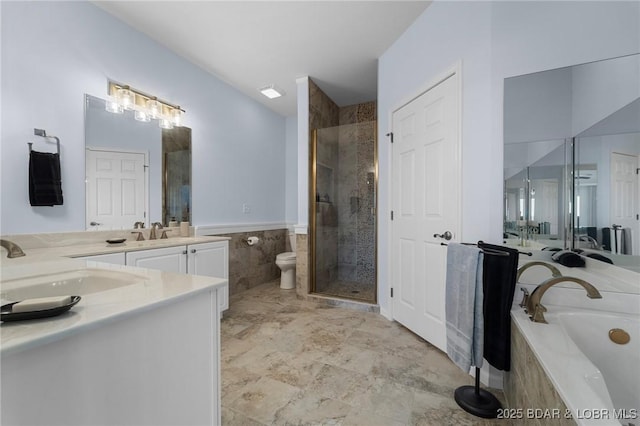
[[207, 259], [168, 259], [113, 258], [211, 260]]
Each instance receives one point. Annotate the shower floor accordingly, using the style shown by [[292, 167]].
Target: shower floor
[[365, 292]]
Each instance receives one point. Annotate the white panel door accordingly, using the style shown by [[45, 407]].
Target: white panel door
[[426, 201], [116, 189], [624, 196]]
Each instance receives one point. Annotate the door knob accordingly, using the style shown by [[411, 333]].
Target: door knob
[[447, 235], [95, 224]]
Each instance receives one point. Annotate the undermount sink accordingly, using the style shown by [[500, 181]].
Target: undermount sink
[[77, 283]]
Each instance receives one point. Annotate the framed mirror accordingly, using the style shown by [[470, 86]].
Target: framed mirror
[[577, 130], [135, 171]]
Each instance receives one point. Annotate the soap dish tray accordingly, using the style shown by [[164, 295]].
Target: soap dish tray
[[6, 313]]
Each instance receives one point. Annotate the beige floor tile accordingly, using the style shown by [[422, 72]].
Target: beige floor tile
[[338, 383], [232, 418], [290, 362], [352, 358], [312, 409], [261, 400]]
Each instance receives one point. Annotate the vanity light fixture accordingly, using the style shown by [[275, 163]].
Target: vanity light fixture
[[145, 106], [141, 115], [272, 91], [154, 108], [125, 97], [113, 106]]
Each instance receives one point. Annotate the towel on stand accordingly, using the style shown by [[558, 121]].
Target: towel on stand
[[499, 282], [45, 186], [463, 306]]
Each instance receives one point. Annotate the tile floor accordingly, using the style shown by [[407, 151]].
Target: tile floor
[[350, 289], [291, 362]]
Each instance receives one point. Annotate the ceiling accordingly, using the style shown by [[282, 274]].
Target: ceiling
[[251, 44]]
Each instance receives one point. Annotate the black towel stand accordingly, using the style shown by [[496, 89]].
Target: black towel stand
[[473, 399], [477, 401]]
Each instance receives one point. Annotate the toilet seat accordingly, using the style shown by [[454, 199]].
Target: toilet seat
[[288, 255]]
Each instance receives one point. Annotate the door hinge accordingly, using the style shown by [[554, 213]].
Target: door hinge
[[391, 214], [390, 136], [391, 291]]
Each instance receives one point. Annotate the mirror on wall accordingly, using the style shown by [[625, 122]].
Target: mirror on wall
[[135, 171], [571, 152]]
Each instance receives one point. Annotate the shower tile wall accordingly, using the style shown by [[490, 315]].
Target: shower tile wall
[[356, 192], [345, 194]]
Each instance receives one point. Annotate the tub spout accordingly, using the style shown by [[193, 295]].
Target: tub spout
[[536, 310]]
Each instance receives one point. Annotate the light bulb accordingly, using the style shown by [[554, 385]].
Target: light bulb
[[113, 106], [165, 123], [126, 97], [176, 117], [142, 116], [154, 107]]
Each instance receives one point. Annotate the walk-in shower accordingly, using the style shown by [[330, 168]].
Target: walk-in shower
[[343, 211]]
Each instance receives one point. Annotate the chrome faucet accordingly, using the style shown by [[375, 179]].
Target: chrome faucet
[[154, 227], [536, 310], [13, 250], [592, 241]]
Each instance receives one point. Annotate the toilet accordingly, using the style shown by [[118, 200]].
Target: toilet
[[287, 263]]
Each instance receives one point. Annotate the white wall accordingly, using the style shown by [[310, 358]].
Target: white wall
[[291, 171], [55, 52], [493, 40]]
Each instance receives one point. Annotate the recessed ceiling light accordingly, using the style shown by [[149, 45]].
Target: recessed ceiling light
[[272, 91]]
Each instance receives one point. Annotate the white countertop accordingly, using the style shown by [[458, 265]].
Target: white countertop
[[93, 248], [152, 288], [149, 288]]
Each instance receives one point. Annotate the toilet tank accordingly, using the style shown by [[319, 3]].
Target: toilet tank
[[292, 241]]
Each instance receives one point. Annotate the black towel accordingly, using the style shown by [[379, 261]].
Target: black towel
[[45, 185], [499, 283], [606, 239]]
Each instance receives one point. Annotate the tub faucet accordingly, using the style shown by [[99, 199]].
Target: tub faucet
[[13, 250], [536, 310], [554, 271]]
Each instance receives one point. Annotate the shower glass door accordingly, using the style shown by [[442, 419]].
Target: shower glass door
[[343, 211]]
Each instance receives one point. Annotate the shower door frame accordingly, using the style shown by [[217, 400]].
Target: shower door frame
[[313, 158]]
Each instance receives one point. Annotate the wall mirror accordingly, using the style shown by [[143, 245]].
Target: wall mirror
[[135, 171], [571, 154]]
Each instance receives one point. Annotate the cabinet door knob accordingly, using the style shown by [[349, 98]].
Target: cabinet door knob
[[193, 250], [184, 252]]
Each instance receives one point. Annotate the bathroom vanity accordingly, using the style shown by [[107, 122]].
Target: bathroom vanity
[[141, 347]]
